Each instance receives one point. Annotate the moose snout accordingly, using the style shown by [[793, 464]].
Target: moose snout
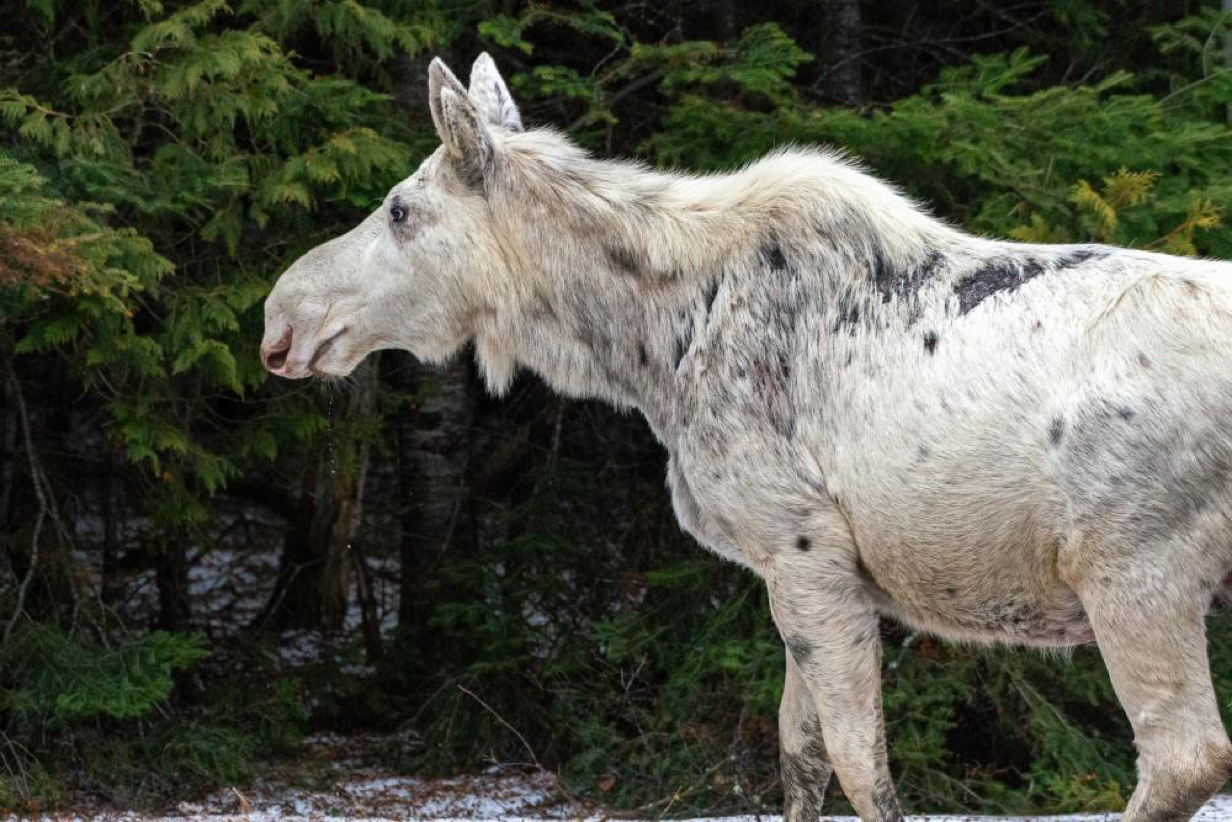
[[274, 355]]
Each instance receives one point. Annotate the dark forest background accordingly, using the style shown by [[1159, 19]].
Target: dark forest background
[[200, 564]]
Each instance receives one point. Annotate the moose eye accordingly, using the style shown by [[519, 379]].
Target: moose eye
[[397, 213]]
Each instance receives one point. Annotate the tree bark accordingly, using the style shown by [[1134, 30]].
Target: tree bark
[[171, 578], [312, 590], [108, 570], [345, 489], [841, 80], [433, 438], [370, 618], [369, 612], [38, 548], [1227, 50], [8, 454], [336, 510], [292, 603], [725, 19], [410, 76]]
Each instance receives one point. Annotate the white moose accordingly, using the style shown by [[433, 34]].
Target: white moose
[[876, 413]]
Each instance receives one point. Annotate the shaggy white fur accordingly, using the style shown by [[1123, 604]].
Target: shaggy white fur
[[877, 413]]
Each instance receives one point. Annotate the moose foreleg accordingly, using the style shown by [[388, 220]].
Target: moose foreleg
[[832, 635], [803, 762]]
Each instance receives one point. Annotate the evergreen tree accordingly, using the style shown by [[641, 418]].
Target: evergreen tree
[[162, 161]]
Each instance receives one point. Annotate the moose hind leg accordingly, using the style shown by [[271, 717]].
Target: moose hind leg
[[804, 764], [1153, 639]]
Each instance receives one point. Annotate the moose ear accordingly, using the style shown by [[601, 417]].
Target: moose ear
[[491, 96], [459, 124], [465, 136], [439, 79]]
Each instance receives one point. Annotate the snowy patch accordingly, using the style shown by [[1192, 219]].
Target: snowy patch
[[334, 780], [435, 806], [363, 794]]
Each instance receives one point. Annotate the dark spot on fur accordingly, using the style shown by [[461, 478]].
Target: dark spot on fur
[[892, 282], [623, 260], [931, 265], [885, 800], [930, 342], [951, 591], [993, 277], [586, 335], [887, 279], [541, 308], [848, 318], [784, 366], [805, 774], [801, 649], [712, 291], [771, 393], [1144, 360], [1056, 429], [1081, 254], [684, 339], [1151, 481], [643, 358], [803, 543], [1037, 327], [772, 253], [785, 310], [923, 453], [1125, 412]]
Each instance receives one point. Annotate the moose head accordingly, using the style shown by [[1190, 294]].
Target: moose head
[[412, 275]]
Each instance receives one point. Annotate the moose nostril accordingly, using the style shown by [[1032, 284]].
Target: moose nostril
[[275, 355], [275, 359]]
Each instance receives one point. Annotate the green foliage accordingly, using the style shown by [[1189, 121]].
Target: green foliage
[[162, 163], [244, 146], [58, 679], [636, 672], [110, 710], [1000, 162], [153, 183]]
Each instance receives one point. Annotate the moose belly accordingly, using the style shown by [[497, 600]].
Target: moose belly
[[1016, 617], [1001, 590], [947, 580]]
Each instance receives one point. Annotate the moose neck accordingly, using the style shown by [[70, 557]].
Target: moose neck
[[615, 269], [598, 334]]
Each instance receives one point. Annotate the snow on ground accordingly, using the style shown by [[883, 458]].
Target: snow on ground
[[487, 797], [335, 782]]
